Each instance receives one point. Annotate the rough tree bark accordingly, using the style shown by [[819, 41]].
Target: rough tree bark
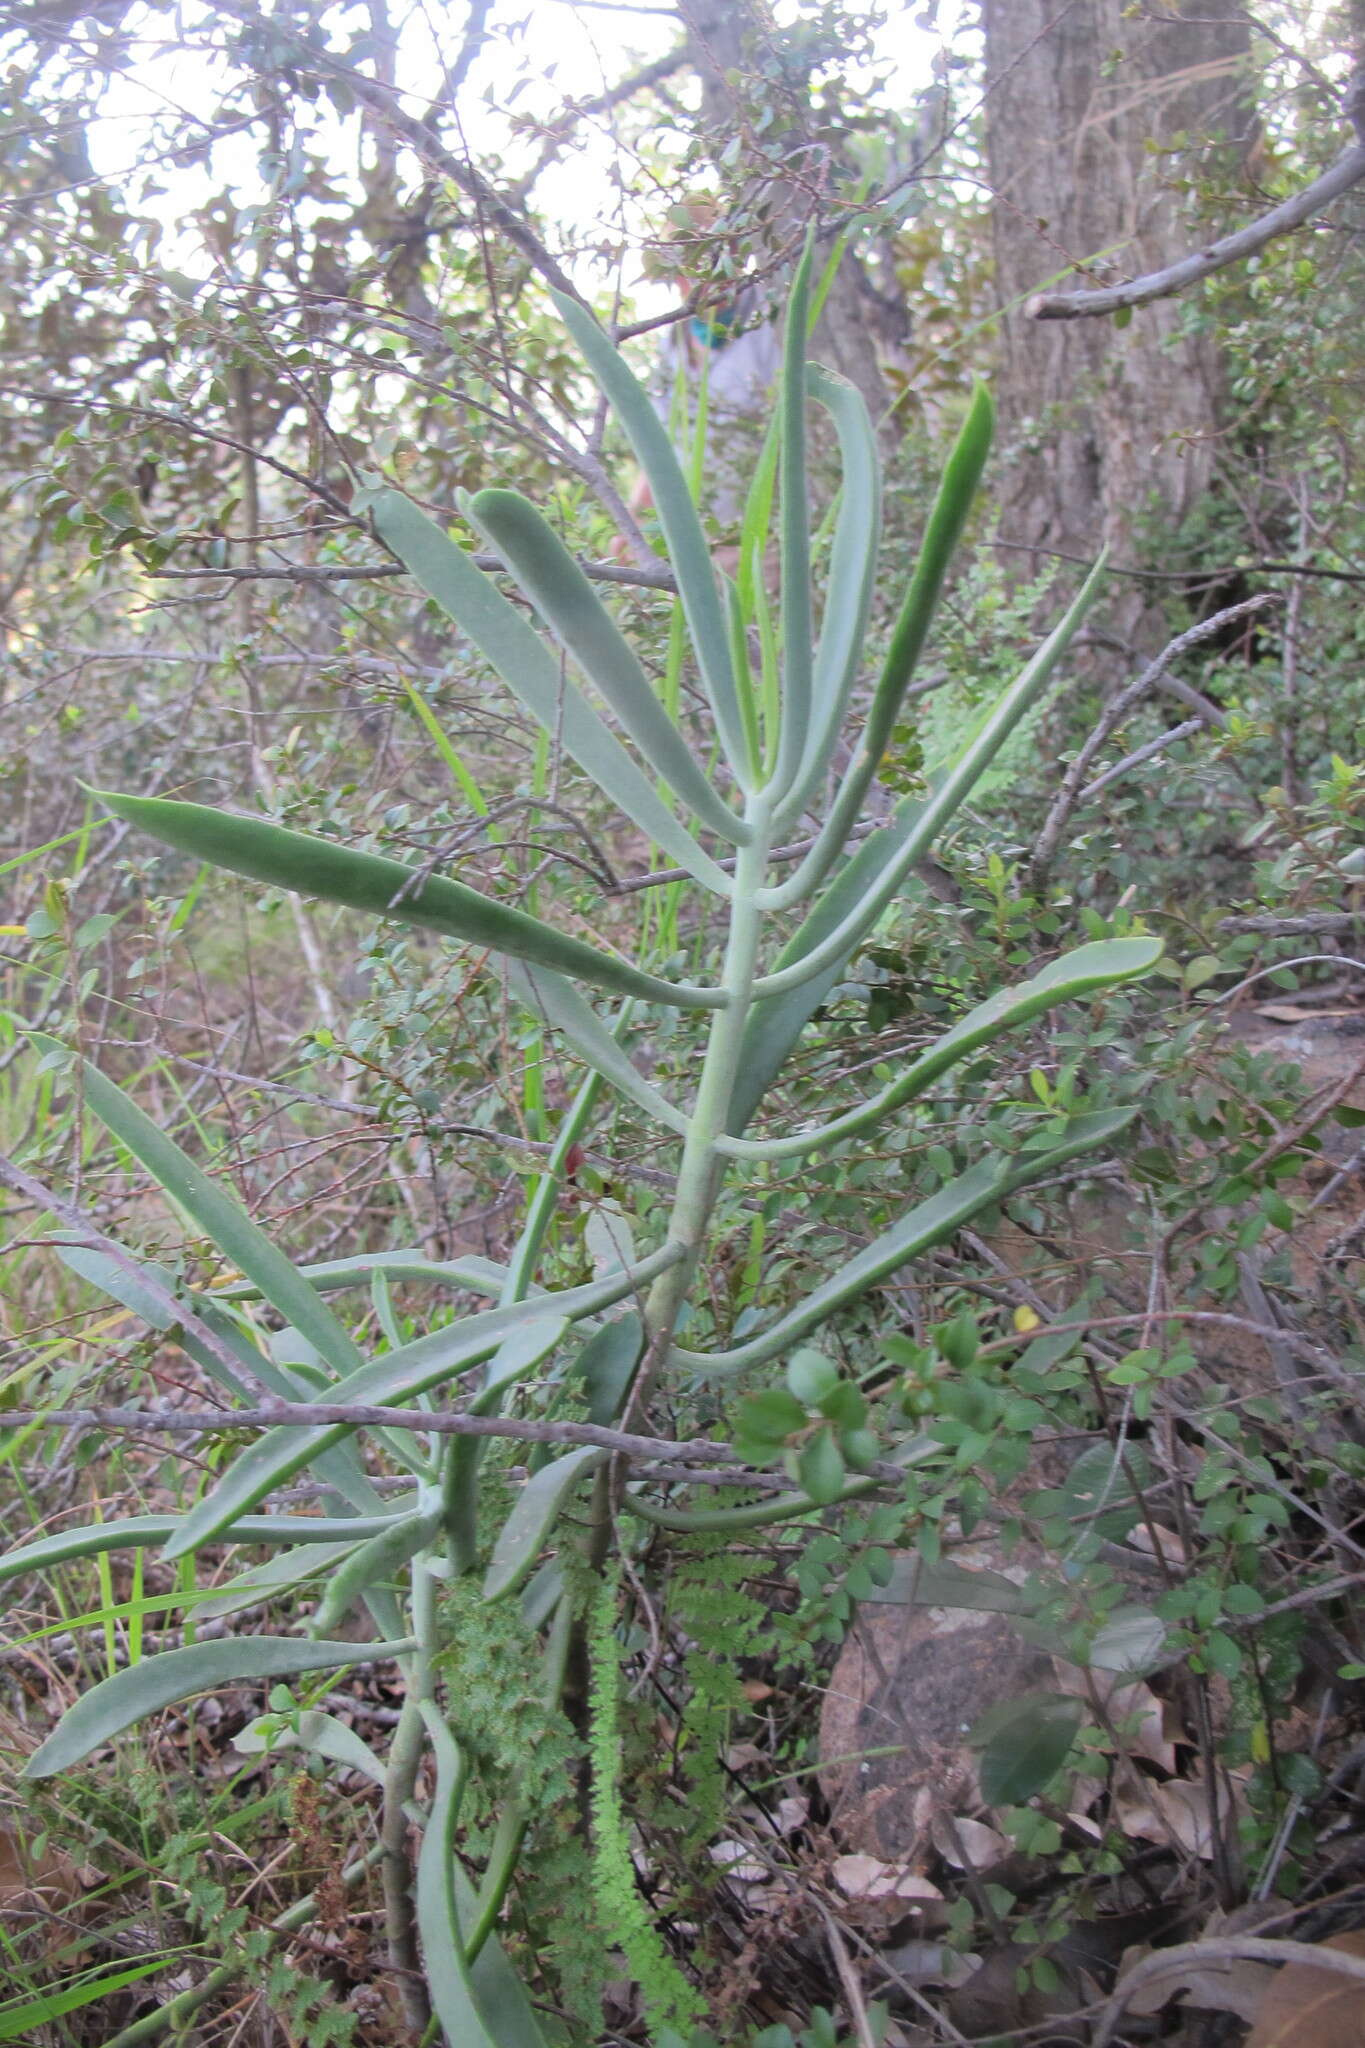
[[1101, 423]]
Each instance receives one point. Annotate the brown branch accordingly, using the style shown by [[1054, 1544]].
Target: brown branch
[[1075, 780], [300, 572], [1348, 170], [273, 1414], [1331, 921]]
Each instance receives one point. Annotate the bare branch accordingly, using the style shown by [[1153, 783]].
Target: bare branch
[[1074, 781], [1348, 170], [272, 1414], [301, 572]]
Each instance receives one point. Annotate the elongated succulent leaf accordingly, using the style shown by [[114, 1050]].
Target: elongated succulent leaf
[[221, 1217], [687, 549], [538, 1507], [958, 487], [387, 888], [922, 1227], [473, 1275], [278, 1574], [950, 792], [776, 1022], [140, 1532], [851, 580], [443, 1958], [1081, 972], [373, 1564], [398, 1377], [311, 1730], [562, 594], [121, 1280], [555, 1000], [535, 674], [794, 533], [129, 1696]]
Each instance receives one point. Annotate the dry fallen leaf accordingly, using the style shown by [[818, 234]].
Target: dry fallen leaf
[[1306, 2007], [968, 1843], [1142, 1535], [36, 1884], [738, 1861], [1178, 1813], [867, 1877], [1134, 1708], [1237, 1985]]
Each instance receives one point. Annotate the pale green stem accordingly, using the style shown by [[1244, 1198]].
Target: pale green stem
[[405, 1759], [400, 1779], [702, 1166]]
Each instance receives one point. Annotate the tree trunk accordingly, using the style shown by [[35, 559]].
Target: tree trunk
[[1092, 111]]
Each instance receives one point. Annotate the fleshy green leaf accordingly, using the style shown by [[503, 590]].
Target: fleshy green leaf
[[1081, 972], [373, 1564], [387, 888], [220, 1216], [687, 549], [535, 674], [122, 1280], [606, 1365], [852, 576], [794, 536], [950, 793], [776, 1022], [559, 590], [312, 1730], [141, 1532], [927, 1224], [956, 492], [397, 1377], [129, 1696], [447, 1971], [555, 1000], [537, 1509]]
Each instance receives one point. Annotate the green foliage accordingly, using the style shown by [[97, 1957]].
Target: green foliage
[[484, 1679]]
